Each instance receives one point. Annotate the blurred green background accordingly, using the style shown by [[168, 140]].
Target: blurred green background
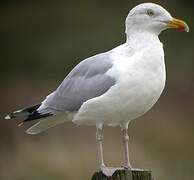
[[41, 41]]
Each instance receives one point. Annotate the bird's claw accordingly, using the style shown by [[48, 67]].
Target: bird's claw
[[109, 171], [126, 166]]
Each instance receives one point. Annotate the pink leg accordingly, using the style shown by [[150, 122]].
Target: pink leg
[[108, 171], [99, 138], [125, 138]]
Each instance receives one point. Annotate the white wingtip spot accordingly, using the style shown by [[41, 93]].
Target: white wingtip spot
[[8, 117], [28, 131]]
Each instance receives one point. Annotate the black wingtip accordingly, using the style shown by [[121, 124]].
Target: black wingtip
[[36, 115], [28, 114], [33, 108], [12, 115], [22, 113]]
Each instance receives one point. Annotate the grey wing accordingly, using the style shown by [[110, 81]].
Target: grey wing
[[87, 80]]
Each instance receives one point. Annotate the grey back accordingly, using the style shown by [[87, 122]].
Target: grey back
[[86, 81]]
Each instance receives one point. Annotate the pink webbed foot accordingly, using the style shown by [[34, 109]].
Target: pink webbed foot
[[109, 171]]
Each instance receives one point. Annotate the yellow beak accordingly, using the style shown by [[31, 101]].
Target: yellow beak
[[178, 24]]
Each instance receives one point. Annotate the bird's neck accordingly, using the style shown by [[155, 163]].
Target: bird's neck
[[141, 39]]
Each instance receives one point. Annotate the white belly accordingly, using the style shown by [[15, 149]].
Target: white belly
[[137, 89]]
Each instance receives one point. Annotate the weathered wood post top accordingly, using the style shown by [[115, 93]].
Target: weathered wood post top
[[135, 174]]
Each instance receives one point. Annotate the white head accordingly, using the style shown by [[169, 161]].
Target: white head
[[150, 17]]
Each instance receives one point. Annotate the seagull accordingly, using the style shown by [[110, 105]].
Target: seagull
[[114, 87]]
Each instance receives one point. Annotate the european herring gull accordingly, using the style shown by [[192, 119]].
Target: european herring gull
[[114, 87]]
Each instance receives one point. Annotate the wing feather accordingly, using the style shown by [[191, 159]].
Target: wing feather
[[87, 80]]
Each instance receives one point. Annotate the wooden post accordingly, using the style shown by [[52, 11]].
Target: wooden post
[[125, 175]]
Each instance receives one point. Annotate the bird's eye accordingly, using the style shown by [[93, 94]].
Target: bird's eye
[[150, 12]]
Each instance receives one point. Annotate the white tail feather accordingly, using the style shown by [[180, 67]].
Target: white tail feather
[[47, 123]]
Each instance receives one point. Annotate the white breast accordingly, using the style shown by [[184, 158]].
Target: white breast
[[140, 80]]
